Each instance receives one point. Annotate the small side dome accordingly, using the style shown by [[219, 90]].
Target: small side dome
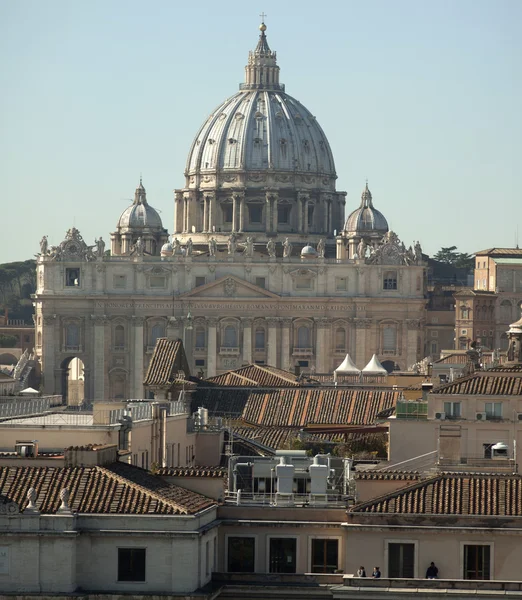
[[167, 250], [308, 252], [366, 218], [140, 215]]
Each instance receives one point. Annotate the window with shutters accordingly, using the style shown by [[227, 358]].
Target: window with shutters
[[260, 339], [401, 560], [477, 561], [325, 555], [389, 339]]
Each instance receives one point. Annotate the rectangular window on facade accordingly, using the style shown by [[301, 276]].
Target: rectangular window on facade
[[261, 282], [283, 214], [434, 334], [341, 284], [227, 213], [131, 564], [401, 560], [241, 554], [200, 362], [255, 213], [302, 283], [452, 410], [389, 281], [283, 555], [200, 280], [72, 277], [119, 281], [325, 556], [477, 562], [493, 410], [157, 282]]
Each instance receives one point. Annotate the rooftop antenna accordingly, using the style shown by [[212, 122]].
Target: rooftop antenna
[[516, 238]]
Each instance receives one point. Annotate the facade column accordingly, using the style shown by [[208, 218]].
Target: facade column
[[275, 212], [413, 331], [211, 211], [211, 346], [323, 347], [99, 356], [185, 214], [247, 339], [272, 341], [50, 345], [242, 213], [362, 327], [205, 214], [268, 214], [299, 212], [306, 204], [234, 212], [325, 203], [137, 359], [285, 344], [330, 219]]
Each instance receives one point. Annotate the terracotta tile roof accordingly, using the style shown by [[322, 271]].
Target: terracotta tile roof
[[117, 489], [296, 407], [500, 252], [485, 383], [212, 472], [453, 494], [258, 376], [388, 475], [167, 360]]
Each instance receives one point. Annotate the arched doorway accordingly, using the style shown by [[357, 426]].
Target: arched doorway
[[73, 381], [7, 359], [390, 366]]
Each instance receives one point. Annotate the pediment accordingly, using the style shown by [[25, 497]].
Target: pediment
[[229, 287]]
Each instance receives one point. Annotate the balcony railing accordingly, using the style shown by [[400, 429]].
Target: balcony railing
[[303, 351], [229, 350]]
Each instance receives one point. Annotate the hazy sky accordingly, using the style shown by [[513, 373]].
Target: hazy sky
[[422, 98]]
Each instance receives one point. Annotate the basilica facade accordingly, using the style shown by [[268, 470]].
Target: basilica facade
[[262, 266]]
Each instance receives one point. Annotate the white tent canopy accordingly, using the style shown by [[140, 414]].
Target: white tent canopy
[[347, 367], [29, 392], [374, 367]]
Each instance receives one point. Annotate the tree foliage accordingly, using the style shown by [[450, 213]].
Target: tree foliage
[[17, 283], [450, 256], [8, 341]]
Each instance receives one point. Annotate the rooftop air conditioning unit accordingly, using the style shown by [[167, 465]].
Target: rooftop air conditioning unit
[[519, 416], [440, 415], [480, 416]]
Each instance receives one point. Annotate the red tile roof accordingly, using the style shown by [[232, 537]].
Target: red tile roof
[[167, 360], [500, 252], [212, 472], [116, 489], [296, 407], [258, 376], [485, 383], [452, 494]]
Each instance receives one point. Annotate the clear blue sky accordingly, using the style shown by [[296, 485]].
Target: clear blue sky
[[422, 98]]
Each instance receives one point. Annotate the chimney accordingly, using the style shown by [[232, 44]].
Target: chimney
[[91, 455], [426, 389]]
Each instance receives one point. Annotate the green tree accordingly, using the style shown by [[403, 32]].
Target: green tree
[[449, 256]]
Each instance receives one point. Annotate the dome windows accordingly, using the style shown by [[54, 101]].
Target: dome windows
[[232, 141]]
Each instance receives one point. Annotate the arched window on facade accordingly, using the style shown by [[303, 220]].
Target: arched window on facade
[[118, 386], [72, 336], [303, 337], [389, 339], [157, 331], [39, 339], [340, 339], [464, 312], [200, 338], [506, 310], [119, 337], [260, 339], [230, 335]]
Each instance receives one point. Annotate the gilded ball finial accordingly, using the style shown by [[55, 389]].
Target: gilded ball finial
[[262, 27]]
